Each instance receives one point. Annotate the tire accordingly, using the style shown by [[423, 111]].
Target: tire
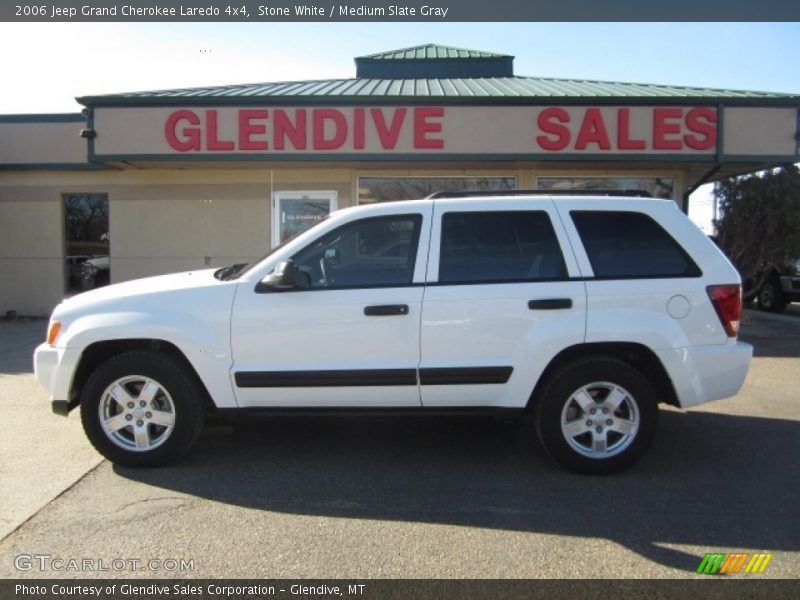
[[596, 416], [142, 409], [770, 296]]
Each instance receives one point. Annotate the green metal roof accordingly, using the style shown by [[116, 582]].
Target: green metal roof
[[433, 72], [432, 61], [500, 89], [429, 51]]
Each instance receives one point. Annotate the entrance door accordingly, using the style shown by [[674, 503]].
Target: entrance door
[[294, 212], [86, 258]]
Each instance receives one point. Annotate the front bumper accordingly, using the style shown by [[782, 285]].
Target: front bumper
[[53, 368], [705, 373]]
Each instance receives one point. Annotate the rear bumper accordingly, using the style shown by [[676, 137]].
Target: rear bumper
[[53, 369], [705, 373]]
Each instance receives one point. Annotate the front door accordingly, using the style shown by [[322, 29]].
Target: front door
[[352, 330]]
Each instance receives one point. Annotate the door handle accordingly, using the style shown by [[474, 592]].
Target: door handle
[[386, 310], [550, 304]]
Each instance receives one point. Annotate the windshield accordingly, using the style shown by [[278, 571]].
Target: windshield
[[237, 270]]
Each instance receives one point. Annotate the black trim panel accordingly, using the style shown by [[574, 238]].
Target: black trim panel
[[349, 378], [464, 375], [269, 412], [373, 377]]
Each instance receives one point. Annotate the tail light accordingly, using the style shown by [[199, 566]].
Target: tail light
[[727, 301]]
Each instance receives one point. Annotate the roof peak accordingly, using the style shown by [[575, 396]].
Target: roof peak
[[431, 52], [434, 60]]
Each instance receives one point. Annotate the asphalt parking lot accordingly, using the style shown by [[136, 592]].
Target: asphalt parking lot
[[389, 498]]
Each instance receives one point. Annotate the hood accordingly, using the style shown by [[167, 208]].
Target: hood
[[138, 290]]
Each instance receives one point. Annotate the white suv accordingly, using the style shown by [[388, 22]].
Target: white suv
[[585, 312]]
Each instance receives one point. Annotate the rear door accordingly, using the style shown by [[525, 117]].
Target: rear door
[[503, 296]]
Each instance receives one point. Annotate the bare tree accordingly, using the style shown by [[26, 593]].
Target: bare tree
[[760, 222]]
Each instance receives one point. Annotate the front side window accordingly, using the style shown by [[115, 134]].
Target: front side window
[[499, 246], [628, 245], [374, 252]]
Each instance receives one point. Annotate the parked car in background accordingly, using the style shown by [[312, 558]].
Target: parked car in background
[[75, 269], [781, 285], [95, 272]]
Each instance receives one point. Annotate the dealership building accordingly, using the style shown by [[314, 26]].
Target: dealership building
[[183, 179]]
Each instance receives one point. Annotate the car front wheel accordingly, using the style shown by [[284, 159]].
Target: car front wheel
[[141, 409], [597, 416]]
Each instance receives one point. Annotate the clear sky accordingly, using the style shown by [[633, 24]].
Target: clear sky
[[46, 65]]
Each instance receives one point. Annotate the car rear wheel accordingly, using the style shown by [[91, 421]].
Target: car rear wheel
[[597, 416], [142, 409]]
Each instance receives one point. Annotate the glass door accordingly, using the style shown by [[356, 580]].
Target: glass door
[[294, 212]]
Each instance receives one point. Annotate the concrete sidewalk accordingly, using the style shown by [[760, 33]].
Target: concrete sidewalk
[[42, 454]]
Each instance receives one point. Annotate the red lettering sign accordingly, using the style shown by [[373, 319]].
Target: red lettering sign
[[284, 128], [247, 129], [593, 131], [638, 129], [190, 136], [553, 129], [624, 140], [702, 121], [666, 123], [423, 127], [551, 121], [212, 138], [328, 121]]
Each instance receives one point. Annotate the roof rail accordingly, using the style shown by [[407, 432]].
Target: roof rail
[[603, 192]]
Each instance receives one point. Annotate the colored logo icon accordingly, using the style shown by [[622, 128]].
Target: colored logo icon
[[720, 563]]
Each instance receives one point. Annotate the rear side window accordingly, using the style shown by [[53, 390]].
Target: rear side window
[[627, 245], [499, 246]]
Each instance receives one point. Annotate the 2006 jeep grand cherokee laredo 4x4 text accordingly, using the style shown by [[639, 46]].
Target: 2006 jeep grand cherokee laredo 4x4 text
[[584, 311]]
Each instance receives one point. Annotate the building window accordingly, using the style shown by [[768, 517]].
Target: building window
[[386, 189], [87, 263], [658, 187]]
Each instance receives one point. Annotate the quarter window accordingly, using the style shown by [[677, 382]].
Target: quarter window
[[631, 245], [499, 246], [374, 252]]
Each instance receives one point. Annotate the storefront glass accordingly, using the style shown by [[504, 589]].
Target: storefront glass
[[386, 189], [297, 211], [658, 187], [86, 257]]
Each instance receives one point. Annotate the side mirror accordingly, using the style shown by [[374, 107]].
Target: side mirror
[[286, 276]]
